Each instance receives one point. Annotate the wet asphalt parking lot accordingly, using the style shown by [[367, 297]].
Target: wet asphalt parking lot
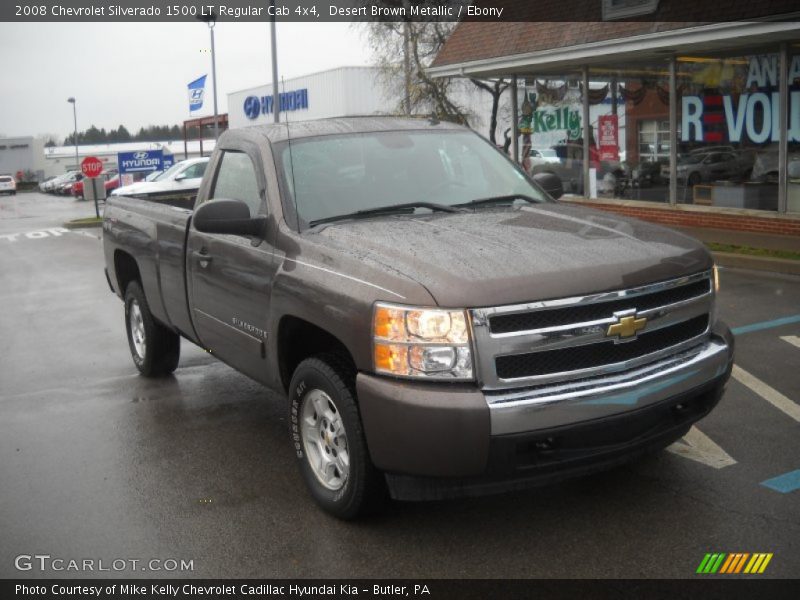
[[99, 463]]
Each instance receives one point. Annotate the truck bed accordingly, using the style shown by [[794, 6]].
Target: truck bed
[[154, 231]]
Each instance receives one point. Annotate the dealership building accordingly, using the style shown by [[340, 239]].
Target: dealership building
[[360, 91], [712, 110], [349, 92], [20, 155]]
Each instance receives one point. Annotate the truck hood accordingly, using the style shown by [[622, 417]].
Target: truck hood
[[496, 256]]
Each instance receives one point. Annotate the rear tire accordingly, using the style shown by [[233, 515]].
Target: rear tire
[[154, 348], [328, 438]]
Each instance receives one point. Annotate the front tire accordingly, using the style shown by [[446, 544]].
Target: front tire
[[154, 348], [328, 438]]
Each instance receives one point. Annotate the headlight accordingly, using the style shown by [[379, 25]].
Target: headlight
[[421, 342], [715, 272]]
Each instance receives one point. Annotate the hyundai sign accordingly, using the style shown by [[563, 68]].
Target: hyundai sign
[[143, 161], [295, 100]]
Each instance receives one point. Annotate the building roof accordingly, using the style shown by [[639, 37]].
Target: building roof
[[169, 147], [477, 40], [545, 26]]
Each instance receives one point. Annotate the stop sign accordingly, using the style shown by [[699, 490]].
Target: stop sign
[[91, 166]]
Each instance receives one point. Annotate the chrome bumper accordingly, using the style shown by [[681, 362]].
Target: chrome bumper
[[568, 403]]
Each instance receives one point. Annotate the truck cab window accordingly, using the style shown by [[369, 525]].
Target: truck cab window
[[195, 170], [236, 180]]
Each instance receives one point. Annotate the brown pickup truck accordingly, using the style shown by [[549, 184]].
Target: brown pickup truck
[[441, 325]]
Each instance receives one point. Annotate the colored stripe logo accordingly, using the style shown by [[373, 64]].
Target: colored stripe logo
[[734, 563]]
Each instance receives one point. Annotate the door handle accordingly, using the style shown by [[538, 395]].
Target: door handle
[[203, 258]]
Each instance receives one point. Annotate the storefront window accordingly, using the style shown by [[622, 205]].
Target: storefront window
[[629, 115], [551, 129], [728, 130], [793, 127], [726, 134]]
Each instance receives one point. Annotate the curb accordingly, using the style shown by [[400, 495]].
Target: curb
[[82, 225], [757, 263]]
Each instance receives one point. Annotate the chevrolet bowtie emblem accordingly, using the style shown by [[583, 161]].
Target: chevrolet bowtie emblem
[[626, 327]]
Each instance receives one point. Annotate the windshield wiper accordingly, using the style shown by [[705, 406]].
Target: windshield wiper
[[498, 200], [407, 207]]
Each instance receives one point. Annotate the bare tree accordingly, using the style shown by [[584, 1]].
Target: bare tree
[[404, 50], [496, 89]]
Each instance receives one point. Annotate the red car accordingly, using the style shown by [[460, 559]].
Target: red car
[[110, 185]]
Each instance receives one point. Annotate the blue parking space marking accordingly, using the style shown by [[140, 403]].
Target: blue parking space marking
[[788, 482], [765, 325]]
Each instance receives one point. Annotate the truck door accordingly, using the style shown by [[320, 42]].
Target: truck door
[[230, 277]]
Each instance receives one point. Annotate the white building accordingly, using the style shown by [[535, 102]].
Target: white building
[[341, 92], [60, 159], [347, 92], [359, 91], [22, 154]]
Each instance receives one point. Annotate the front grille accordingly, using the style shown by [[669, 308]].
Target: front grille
[[553, 317], [600, 354]]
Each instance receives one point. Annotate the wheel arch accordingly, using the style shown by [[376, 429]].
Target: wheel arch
[[126, 269], [298, 339]]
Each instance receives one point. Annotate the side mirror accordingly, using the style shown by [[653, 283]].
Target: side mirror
[[228, 216], [550, 183], [180, 176]]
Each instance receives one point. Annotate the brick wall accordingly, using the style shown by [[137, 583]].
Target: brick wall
[[776, 224]]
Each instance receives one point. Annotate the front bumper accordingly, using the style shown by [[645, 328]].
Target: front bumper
[[436, 441]]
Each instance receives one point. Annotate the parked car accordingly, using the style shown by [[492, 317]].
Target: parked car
[[543, 156], [765, 166], [110, 183], [569, 166], [714, 166], [440, 325], [44, 183], [51, 184], [8, 185], [181, 177], [64, 187]]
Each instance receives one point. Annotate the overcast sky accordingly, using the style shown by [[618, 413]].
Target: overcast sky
[[135, 74]]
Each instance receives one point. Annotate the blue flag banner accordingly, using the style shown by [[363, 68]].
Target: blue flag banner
[[196, 93]]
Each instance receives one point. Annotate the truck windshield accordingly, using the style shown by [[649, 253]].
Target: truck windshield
[[335, 175]]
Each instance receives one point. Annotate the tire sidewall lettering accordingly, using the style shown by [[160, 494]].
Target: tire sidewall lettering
[[297, 398]]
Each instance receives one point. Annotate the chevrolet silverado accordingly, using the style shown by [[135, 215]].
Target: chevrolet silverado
[[440, 324]]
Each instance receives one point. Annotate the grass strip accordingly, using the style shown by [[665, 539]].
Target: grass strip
[[750, 251]]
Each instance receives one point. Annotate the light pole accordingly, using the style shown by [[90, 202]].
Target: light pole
[[71, 100], [210, 19], [276, 99]]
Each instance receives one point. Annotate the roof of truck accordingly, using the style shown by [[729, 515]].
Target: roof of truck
[[277, 132]]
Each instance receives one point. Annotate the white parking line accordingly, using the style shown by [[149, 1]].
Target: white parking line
[[768, 393], [697, 446], [792, 339]]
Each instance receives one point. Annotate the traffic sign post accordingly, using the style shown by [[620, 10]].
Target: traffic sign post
[[91, 167]]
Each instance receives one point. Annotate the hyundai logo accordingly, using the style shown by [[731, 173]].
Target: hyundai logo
[[252, 107], [140, 155]]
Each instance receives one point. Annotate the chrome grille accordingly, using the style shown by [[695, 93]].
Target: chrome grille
[[566, 339], [582, 313], [597, 355]]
